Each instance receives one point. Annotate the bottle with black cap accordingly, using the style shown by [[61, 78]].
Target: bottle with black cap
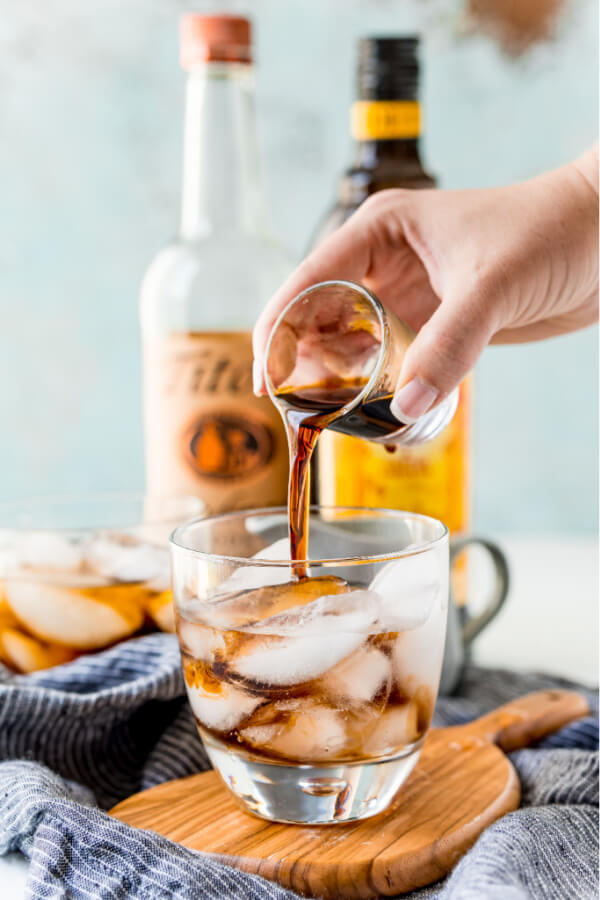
[[385, 122], [386, 125]]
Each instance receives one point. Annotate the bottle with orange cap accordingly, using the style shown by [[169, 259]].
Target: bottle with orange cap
[[205, 431]]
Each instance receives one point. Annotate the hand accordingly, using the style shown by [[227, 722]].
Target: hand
[[464, 269]]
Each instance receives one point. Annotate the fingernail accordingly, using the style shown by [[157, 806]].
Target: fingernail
[[258, 378], [413, 400]]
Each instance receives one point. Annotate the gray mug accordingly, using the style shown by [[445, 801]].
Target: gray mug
[[464, 627]]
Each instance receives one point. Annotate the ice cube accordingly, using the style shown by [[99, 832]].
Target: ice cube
[[71, 617], [7, 616], [287, 661], [417, 654], [359, 677], [26, 654], [200, 641], [220, 706], [161, 583], [160, 609], [263, 604], [307, 732], [396, 727], [49, 550], [9, 560], [408, 587], [250, 577], [305, 642], [327, 603], [122, 558], [278, 550]]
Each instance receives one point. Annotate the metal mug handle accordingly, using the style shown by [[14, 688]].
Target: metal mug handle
[[473, 625]]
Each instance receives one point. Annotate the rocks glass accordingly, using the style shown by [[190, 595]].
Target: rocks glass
[[312, 695]]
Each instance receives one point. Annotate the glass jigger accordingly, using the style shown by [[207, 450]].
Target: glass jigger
[[312, 697], [334, 348]]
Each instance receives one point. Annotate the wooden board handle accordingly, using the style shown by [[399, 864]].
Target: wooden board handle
[[529, 719], [461, 785]]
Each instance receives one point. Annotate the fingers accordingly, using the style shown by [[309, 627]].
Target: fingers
[[442, 354], [345, 255]]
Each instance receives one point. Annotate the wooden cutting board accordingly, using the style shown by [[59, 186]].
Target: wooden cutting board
[[462, 783]]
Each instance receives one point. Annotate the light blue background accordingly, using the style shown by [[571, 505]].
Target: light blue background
[[90, 142]]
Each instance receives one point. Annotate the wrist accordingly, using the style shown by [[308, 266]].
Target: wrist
[[576, 215], [587, 167]]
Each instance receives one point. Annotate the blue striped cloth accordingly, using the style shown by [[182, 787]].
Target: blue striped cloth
[[77, 739]]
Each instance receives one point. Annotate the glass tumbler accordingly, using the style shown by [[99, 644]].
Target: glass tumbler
[[335, 350], [312, 695]]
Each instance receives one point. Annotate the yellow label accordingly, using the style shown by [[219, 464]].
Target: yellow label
[[206, 432], [431, 479], [385, 119]]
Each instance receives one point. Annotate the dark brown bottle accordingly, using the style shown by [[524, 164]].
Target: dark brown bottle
[[385, 123]]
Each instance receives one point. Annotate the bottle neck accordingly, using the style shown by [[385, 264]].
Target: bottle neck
[[221, 160], [385, 131], [369, 154]]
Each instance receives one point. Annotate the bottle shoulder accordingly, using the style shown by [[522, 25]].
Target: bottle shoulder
[[216, 282], [358, 183], [183, 259]]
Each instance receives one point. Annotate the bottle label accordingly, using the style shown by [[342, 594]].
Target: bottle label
[[206, 432], [385, 119], [431, 479]]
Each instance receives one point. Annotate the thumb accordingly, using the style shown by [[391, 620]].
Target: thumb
[[442, 354]]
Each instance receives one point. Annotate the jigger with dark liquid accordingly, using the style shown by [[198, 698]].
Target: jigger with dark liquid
[[336, 353]]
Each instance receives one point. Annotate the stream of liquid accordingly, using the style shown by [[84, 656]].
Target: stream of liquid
[[306, 412]]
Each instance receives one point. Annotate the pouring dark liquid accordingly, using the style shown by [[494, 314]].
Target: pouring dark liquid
[[306, 412]]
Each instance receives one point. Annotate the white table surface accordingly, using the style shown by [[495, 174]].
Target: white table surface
[[549, 623]]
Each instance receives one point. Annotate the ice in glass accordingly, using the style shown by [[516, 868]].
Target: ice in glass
[[339, 668]]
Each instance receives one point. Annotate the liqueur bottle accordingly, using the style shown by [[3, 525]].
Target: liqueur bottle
[[385, 124]]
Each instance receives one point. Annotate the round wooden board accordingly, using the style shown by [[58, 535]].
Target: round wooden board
[[462, 783]]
